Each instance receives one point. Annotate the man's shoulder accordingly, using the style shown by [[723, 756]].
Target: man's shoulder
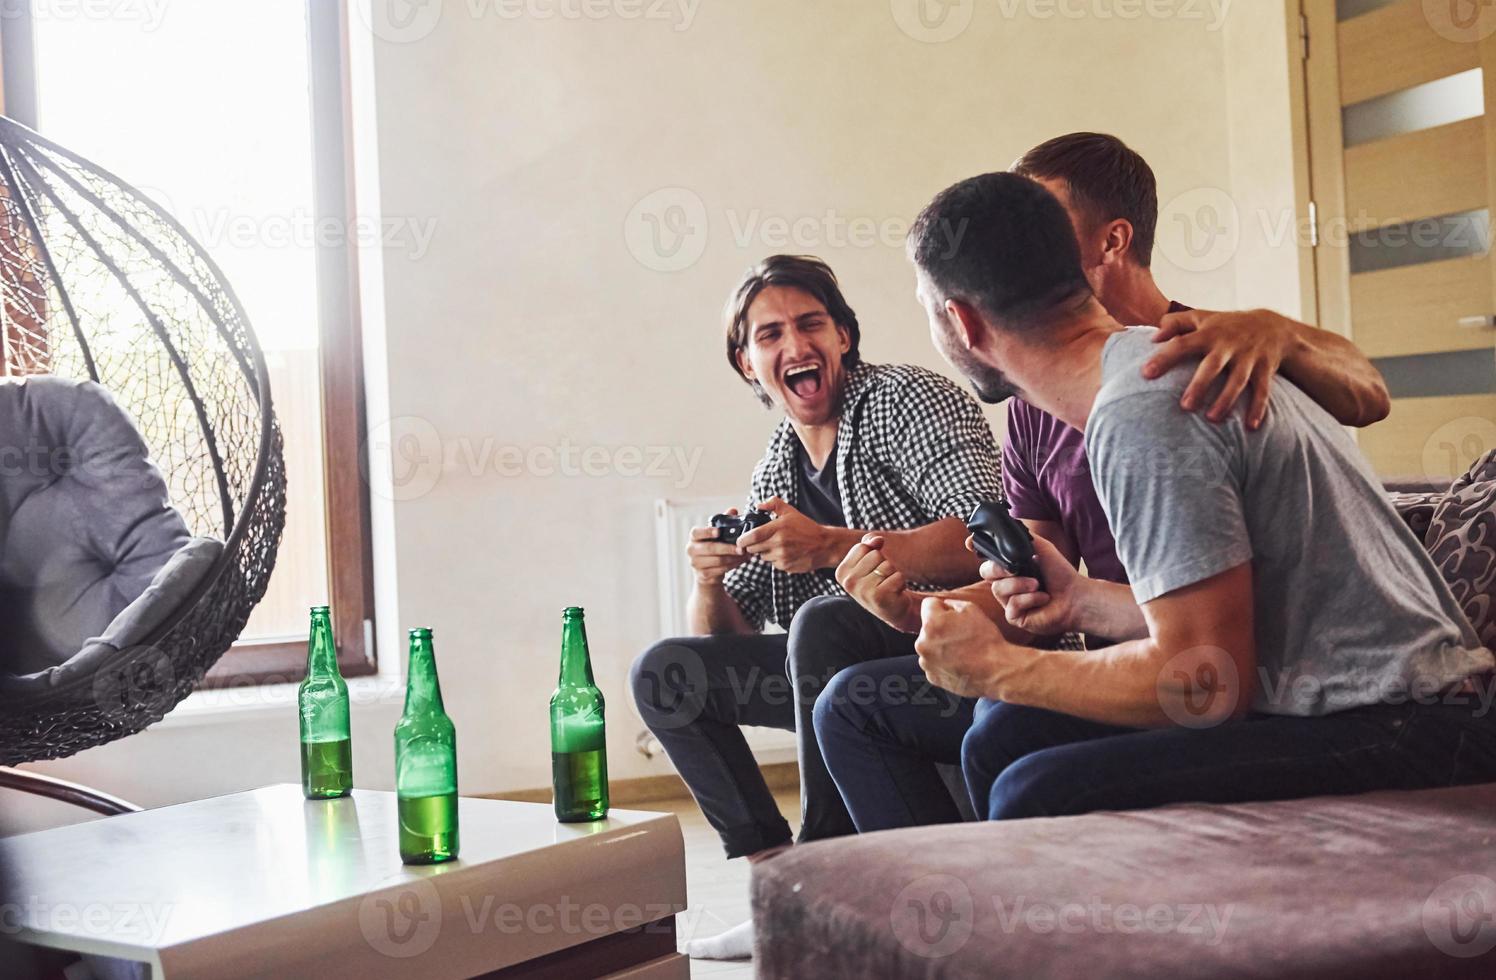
[[1122, 371], [1137, 414], [906, 383]]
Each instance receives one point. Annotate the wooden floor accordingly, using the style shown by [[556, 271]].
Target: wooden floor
[[716, 888]]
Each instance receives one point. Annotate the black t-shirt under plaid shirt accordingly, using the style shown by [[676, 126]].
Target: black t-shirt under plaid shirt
[[911, 448]]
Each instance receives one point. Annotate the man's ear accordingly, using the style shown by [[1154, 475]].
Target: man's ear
[[846, 337], [970, 328], [744, 365], [1116, 242]]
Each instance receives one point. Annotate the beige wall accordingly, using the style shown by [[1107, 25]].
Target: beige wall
[[1262, 49], [531, 322]]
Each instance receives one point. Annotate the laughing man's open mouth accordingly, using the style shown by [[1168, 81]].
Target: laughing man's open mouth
[[804, 380]]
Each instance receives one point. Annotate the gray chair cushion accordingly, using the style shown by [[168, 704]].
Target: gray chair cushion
[[86, 525], [171, 587], [183, 573]]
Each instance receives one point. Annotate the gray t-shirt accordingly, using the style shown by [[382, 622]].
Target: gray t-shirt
[[1349, 609]]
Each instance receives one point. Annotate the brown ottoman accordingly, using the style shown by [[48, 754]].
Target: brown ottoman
[[1392, 885]]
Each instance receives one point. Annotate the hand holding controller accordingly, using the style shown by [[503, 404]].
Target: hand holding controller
[[730, 527], [998, 536]]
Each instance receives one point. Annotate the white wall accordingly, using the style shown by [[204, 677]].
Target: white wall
[[531, 322]]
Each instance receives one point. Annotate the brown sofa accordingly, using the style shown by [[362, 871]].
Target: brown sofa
[[1393, 885]]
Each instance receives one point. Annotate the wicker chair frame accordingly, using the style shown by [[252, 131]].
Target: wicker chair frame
[[98, 282]]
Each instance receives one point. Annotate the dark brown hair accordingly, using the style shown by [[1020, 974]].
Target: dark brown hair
[[1107, 180], [803, 272], [1017, 260]]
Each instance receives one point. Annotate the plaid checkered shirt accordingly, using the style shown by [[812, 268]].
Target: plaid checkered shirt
[[911, 448]]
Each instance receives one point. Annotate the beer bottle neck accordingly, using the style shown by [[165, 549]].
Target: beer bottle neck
[[576, 665], [423, 692], [322, 652]]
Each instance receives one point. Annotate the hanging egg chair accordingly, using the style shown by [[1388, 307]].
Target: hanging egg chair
[[145, 497]]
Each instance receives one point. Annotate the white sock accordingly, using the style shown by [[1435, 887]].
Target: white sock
[[734, 944]]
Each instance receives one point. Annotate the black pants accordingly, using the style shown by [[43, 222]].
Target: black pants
[[695, 692]]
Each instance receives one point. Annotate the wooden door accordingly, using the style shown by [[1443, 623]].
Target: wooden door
[[1401, 150]]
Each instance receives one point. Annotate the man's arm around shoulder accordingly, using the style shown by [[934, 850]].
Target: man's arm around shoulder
[[1248, 348]]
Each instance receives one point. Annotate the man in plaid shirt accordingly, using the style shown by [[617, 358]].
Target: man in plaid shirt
[[895, 449]]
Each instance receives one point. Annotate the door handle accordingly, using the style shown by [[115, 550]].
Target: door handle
[[1485, 322]]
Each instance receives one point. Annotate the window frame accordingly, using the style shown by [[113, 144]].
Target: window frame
[[340, 346]]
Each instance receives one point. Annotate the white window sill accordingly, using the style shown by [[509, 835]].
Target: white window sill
[[239, 704]]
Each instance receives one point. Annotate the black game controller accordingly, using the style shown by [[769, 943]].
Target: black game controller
[[730, 527], [999, 536]]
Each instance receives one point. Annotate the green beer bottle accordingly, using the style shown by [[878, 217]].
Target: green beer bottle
[[326, 740], [579, 754], [425, 763]]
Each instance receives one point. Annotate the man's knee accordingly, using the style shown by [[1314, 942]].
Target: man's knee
[[1037, 785], [987, 749], [818, 635], [663, 676], [839, 708], [989, 742], [834, 696]]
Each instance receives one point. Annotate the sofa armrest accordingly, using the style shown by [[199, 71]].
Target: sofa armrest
[[1416, 484]]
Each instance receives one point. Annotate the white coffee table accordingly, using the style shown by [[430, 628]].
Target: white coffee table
[[267, 884]]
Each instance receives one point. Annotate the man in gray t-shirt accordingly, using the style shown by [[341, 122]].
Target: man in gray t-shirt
[[1348, 608], [1284, 634]]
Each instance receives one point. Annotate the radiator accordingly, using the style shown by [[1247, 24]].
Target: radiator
[[673, 522]]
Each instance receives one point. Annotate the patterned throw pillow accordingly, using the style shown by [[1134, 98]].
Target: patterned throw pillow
[[1461, 539], [1416, 509]]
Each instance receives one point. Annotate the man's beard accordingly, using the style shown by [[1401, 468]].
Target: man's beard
[[993, 387], [990, 384]]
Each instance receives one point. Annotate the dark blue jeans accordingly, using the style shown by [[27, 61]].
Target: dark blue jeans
[[1026, 762], [695, 692], [883, 728]]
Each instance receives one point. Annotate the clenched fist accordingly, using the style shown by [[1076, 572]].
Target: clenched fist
[[879, 587], [959, 647]]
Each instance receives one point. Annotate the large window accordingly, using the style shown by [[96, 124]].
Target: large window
[[232, 117]]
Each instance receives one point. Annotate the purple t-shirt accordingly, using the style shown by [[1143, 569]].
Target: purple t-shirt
[[1048, 478]]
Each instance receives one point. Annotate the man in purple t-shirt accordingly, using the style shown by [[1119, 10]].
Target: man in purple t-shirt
[[1112, 199], [881, 751]]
